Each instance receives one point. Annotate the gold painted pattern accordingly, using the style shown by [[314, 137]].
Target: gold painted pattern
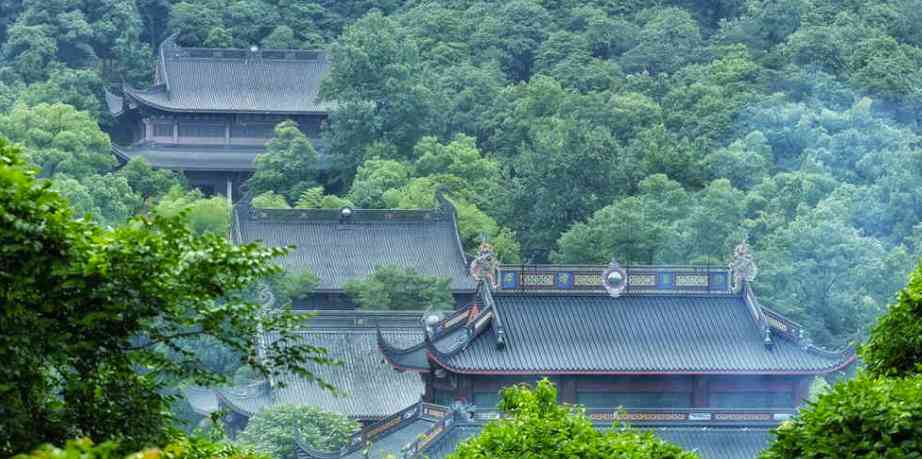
[[615, 416], [386, 426], [743, 417], [587, 280], [642, 280], [434, 412], [538, 280], [776, 323], [691, 280]]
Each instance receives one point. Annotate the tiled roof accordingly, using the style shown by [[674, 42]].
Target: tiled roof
[[709, 443], [236, 80], [246, 400], [412, 433], [338, 251], [204, 401], [718, 443], [369, 387], [192, 158], [630, 334]]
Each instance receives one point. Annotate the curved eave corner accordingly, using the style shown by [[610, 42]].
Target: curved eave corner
[[405, 359]]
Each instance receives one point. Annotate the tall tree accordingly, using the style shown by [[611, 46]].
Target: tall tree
[[85, 308]]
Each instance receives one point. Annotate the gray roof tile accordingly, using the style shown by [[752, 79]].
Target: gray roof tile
[[632, 334], [426, 240], [370, 387], [270, 81]]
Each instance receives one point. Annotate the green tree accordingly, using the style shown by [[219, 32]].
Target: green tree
[[204, 215], [85, 307], [863, 418], [147, 181], [894, 348], [273, 430], [536, 426], [313, 198], [108, 198], [59, 139], [393, 288], [270, 200], [289, 165], [378, 82]]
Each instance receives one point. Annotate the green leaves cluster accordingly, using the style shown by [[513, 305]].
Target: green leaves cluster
[[394, 288], [878, 413], [864, 417], [179, 447], [273, 430], [895, 346], [535, 426], [84, 308]]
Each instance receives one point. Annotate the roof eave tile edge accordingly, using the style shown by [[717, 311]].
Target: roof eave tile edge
[[838, 366]]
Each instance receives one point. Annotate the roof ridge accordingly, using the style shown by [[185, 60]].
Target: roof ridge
[[355, 216]]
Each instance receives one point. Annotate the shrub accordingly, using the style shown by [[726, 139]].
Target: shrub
[[865, 417]]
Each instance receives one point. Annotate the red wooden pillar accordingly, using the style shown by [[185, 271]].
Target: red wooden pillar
[[700, 391]]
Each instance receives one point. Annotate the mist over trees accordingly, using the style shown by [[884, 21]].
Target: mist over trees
[[563, 131]]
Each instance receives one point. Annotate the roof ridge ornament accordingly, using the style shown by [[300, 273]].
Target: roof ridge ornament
[[743, 266], [614, 279], [484, 266]]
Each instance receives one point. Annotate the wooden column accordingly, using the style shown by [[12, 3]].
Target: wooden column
[[567, 390], [465, 389], [802, 389], [175, 132], [148, 129], [227, 132], [700, 391]]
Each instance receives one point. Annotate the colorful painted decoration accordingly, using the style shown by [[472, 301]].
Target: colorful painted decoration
[[484, 266], [743, 266], [614, 279]]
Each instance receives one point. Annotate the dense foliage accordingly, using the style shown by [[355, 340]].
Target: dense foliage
[[895, 345], [862, 418], [535, 426], [85, 308], [273, 430], [877, 414], [558, 126], [179, 447], [400, 289]]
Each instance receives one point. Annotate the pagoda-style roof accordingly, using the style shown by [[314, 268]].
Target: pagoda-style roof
[[278, 81], [192, 158], [367, 387], [338, 249], [698, 325], [434, 431]]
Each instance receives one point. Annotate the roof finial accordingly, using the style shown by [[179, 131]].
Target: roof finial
[[614, 279], [743, 266], [484, 266]]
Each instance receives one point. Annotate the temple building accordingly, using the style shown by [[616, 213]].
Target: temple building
[[368, 388], [671, 337], [339, 245], [211, 111], [685, 352]]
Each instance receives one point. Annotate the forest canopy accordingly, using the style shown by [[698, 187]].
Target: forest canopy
[[564, 131]]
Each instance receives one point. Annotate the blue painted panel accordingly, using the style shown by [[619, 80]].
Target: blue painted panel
[[665, 280], [564, 280], [718, 281], [510, 279]]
